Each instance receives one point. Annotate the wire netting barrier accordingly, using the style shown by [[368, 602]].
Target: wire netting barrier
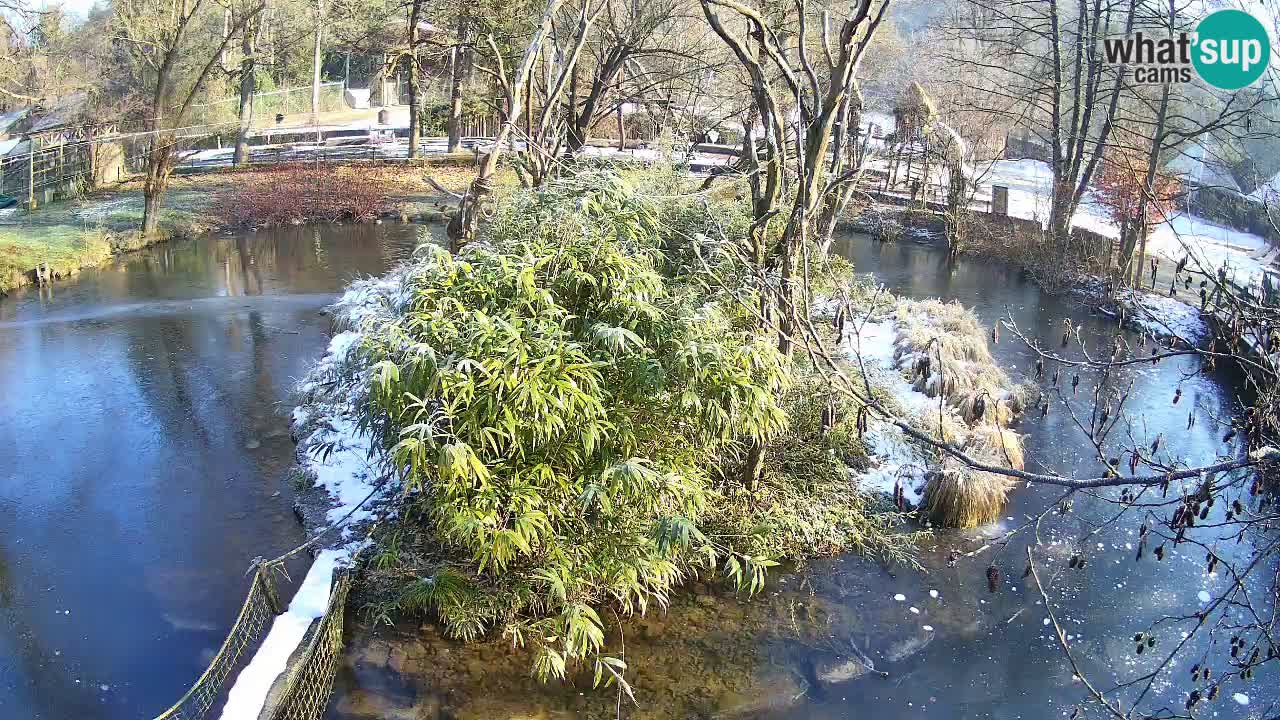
[[308, 682], [259, 609], [287, 101]]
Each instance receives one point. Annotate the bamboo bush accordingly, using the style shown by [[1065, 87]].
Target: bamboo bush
[[564, 404], [556, 407]]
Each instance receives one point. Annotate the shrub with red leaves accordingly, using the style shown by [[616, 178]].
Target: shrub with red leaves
[[308, 192], [1119, 188]]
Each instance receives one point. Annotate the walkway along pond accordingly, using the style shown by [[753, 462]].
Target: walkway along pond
[[941, 644], [145, 455]]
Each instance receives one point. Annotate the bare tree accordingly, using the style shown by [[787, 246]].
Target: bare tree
[[164, 38], [456, 74], [1040, 64], [628, 29], [806, 115], [248, 84], [546, 127], [462, 227]]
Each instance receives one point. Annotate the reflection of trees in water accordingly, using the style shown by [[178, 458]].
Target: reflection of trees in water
[[179, 370]]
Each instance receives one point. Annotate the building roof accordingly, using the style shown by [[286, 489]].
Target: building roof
[[65, 111], [11, 118]]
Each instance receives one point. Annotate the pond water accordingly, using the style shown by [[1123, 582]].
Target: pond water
[[949, 648], [144, 454]]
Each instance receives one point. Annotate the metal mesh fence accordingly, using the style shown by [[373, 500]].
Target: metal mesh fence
[[255, 617], [310, 682], [288, 101]]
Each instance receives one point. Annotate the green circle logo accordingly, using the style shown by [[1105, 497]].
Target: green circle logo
[[1231, 49]]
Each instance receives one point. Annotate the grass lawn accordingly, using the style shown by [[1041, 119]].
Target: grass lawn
[[74, 234]]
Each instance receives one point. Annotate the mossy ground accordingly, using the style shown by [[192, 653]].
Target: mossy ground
[[70, 235]]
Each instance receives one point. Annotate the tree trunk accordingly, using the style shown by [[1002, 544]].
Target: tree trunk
[[415, 90], [573, 139], [315, 69], [601, 80], [622, 129], [622, 102], [455, 89], [462, 228], [154, 184], [415, 101], [1153, 165], [1060, 212], [753, 466], [248, 84]]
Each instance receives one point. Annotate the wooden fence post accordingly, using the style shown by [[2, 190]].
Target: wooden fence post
[[31, 178], [268, 587]]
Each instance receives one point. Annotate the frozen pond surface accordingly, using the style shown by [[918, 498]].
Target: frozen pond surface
[[144, 455]]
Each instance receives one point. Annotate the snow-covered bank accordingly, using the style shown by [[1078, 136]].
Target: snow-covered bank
[[1160, 316], [896, 460], [344, 463], [1210, 245], [930, 363], [1164, 317]]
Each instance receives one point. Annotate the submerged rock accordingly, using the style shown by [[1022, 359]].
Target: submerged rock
[[366, 705], [906, 647], [839, 669], [771, 693]]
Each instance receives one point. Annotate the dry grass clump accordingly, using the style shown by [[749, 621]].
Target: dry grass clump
[[958, 496], [977, 406], [944, 351], [996, 445]]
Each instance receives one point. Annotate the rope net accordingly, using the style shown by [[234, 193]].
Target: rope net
[[308, 682], [251, 625]]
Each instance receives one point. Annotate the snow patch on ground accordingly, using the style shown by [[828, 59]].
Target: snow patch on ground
[[1164, 316], [344, 461], [896, 459], [1210, 246], [1029, 183]]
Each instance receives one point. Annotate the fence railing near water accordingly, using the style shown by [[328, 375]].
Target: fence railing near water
[[36, 176], [259, 609], [308, 682]]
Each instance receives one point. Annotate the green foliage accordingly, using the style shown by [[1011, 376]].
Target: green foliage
[[435, 115], [557, 401], [806, 504]]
